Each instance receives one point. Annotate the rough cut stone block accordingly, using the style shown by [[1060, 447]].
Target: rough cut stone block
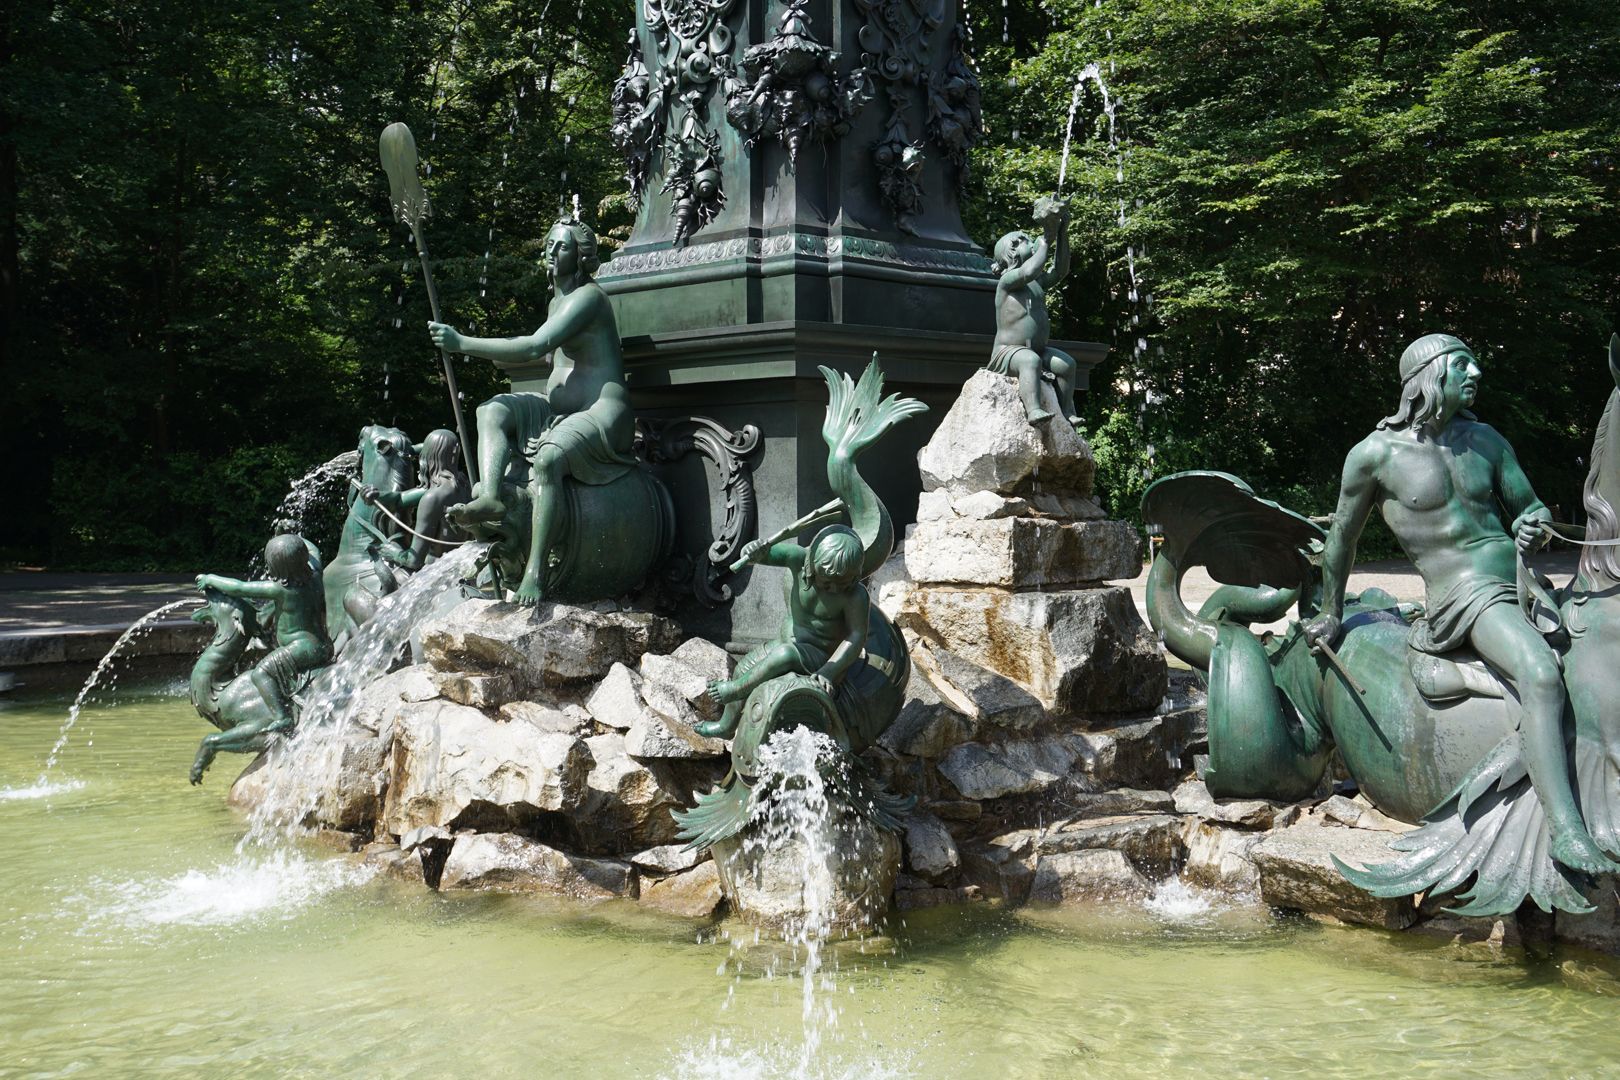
[[480, 691], [674, 687], [451, 758], [987, 506], [1221, 857], [1151, 841], [1088, 875], [927, 725], [1015, 767], [1022, 552], [616, 701], [1145, 754], [569, 720], [1192, 797], [1080, 652], [765, 882], [1002, 866], [986, 443], [693, 894], [1297, 871], [1121, 801], [930, 848], [989, 700], [666, 859], [628, 802], [503, 862], [554, 644], [655, 736]]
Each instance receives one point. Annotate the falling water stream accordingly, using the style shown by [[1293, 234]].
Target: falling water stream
[[44, 787]]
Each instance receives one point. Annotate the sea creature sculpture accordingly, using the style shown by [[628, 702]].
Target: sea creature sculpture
[[253, 707], [838, 666], [1441, 716], [357, 577]]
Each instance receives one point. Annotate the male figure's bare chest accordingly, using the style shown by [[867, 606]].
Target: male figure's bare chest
[[1432, 474]]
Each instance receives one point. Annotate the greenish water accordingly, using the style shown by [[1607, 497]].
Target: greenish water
[[138, 942]]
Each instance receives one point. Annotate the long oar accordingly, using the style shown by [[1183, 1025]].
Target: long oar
[[398, 149]]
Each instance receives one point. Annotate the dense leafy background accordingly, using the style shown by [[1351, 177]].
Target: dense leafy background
[[199, 283]]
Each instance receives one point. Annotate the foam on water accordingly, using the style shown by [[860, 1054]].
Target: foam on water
[[39, 790], [720, 1058], [276, 885], [1175, 900]]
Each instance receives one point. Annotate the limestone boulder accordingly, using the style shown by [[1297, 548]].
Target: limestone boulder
[[675, 686], [1151, 753], [930, 849], [550, 645], [559, 720], [1022, 552], [766, 884], [666, 859], [927, 724], [504, 862], [1003, 866], [691, 894], [1011, 767], [334, 780], [1192, 797], [1087, 875], [480, 690], [1221, 857], [616, 702], [628, 802], [986, 443], [1151, 841], [988, 699], [1121, 801], [1296, 871], [1080, 652], [1599, 928], [453, 766]]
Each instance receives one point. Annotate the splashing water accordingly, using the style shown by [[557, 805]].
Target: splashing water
[[308, 497], [1176, 901], [278, 885], [1093, 73], [43, 787], [796, 817], [304, 768]]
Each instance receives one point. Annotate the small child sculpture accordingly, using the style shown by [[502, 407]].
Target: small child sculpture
[[1022, 329], [296, 597], [828, 619]]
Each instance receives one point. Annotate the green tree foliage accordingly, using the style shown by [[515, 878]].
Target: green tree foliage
[[1307, 186], [209, 296]]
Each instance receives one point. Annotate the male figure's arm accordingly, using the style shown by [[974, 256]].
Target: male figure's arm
[[857, 614], [1358, 489], [787, 553], [1513, 487], [1029, 270]]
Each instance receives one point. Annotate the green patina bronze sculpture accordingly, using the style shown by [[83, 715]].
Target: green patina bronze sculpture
[[249, 709], [1488, 714], [1022, 327], [359, 575], [443, 485], [838, 666], [570, 512]]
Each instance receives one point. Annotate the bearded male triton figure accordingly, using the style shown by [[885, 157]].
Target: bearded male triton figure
[[581, 426], [1441, 480]]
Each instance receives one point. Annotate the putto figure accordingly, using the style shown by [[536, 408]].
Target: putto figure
[[581, 426], [1022, 328], [1438, 475], [294, 597]]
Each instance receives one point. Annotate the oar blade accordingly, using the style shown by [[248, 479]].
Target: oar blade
[[397, 147]]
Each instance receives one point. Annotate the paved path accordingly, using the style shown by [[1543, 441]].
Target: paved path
[[38, 600], [54, 626]]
